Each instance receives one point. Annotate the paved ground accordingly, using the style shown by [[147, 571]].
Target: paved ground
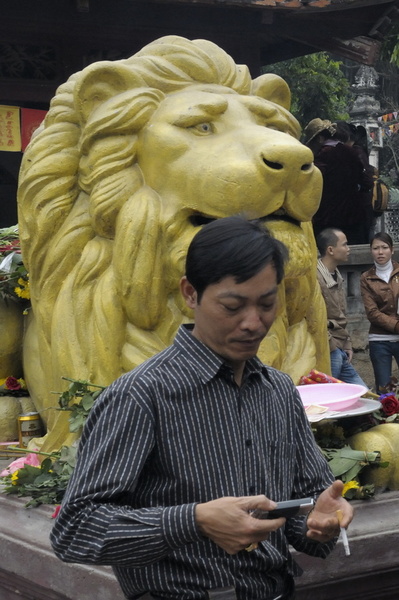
[[362, 364]]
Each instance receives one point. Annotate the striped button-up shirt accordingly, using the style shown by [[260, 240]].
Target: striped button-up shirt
[[175, 431]]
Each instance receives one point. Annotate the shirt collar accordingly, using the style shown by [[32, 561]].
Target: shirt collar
[[327, 276], [207, 362]]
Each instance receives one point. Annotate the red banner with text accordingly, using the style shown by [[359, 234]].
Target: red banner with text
[[31, 118]]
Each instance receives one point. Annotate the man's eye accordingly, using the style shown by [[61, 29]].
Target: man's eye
[[267, 307], [231, 308], [204, 128]]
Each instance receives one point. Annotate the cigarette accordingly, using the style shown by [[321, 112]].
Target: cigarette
[[344, 535]]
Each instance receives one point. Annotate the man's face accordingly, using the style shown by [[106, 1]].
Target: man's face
[[233, 318], [341, 250]]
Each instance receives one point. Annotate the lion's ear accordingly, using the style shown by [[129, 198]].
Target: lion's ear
[[274, 88], [101, 81]]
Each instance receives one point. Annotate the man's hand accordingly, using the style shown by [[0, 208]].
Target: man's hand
[[228, 523], [349, 354], [323, 524]]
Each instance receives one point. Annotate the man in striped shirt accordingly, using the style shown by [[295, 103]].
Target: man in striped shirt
[[178, 453]]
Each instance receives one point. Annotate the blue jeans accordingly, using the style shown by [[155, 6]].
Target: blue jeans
[[381, 354], [342, 369]]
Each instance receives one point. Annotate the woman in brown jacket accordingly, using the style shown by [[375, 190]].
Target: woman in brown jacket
[[380, 292]]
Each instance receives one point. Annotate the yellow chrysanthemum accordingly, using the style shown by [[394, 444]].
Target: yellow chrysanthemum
[[349, 485], [14, 478], [22, 383], [23, 292]]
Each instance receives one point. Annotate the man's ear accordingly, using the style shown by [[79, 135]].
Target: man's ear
[[188, 292]]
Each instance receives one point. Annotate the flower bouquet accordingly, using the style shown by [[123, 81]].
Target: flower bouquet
[[389, 411], [11, 386], [14, 278], [45, 480]]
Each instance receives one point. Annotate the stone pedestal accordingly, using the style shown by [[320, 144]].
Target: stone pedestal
[[371, 571], [29, 569]]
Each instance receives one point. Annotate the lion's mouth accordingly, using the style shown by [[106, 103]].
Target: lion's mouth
[[280, 215], [199, 219]]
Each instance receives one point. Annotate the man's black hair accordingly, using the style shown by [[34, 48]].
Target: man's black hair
[[327, 237], [232, 247]]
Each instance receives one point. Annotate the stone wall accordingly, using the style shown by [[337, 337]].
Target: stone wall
[[30, 571]]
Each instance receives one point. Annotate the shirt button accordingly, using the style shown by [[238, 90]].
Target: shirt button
[[251, 489], [248, 442]]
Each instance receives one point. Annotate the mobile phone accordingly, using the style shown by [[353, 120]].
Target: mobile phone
[[288, 508]]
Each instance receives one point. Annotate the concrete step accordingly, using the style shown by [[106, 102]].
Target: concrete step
[[30, 571]]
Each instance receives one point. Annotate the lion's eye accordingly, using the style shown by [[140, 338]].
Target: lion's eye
[[203, 128]]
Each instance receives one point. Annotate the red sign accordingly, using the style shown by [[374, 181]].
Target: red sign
[[30, 120]]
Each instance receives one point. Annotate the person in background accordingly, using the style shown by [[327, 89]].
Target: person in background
[[360, 142], [177, 454], [333, 248], [317, 132], [379, 287], [344, 181]]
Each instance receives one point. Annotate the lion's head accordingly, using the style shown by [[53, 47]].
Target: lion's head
[[134, 156]]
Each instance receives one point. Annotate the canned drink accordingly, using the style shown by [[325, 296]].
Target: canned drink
[[29, 427]]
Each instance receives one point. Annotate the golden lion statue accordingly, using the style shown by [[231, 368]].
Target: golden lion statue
[[133, 157]]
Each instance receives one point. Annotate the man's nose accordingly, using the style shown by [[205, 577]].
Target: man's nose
[[252, 320]]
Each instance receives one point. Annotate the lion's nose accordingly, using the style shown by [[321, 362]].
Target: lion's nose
[[306, 166], [288, 167], [288, 156]]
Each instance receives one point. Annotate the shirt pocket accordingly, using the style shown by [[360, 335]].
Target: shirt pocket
[[280, 469]]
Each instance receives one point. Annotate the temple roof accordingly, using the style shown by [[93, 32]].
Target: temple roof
[[42, 42]]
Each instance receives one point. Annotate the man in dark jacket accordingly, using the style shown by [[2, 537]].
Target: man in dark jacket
[[345, 181]]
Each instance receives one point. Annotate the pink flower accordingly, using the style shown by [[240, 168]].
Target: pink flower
[[57, 510], [19, 463], [11, 246], [12, 383]]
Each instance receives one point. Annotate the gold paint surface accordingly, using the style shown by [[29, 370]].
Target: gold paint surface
[[133, 157]]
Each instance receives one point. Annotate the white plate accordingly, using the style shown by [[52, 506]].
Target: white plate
[[362, 407], [336, 396]]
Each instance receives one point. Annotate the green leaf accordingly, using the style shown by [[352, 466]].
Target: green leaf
[[346, 463], [47, 464], [87, 402], [28, 474], [76, 423], [74, 387]]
